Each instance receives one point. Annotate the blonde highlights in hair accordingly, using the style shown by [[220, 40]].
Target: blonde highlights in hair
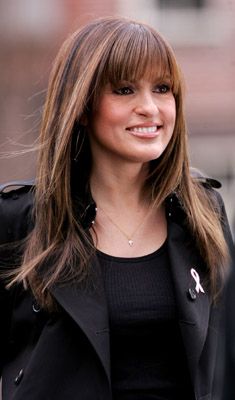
[[109, 50]]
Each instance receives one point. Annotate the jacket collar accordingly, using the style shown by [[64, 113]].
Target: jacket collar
[[86, 209], [89, 309]]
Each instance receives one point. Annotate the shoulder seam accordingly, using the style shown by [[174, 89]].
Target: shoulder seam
[[16, 184], [205, 180]]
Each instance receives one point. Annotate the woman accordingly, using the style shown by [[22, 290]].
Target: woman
[[115, 258]]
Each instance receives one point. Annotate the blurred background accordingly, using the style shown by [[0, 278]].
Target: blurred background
[[202, 33]]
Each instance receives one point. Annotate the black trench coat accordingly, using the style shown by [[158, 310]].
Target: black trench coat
[[65, 355]]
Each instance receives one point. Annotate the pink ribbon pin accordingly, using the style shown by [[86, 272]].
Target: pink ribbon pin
[[196, 277]]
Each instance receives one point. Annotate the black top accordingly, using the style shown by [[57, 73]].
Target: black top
[[147, 356]]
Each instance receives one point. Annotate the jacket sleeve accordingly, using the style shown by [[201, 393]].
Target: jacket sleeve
[[209, 185], [224, 222], [15, 217]]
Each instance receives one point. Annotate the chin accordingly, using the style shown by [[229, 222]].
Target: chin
[[145, 158], [149, 155]]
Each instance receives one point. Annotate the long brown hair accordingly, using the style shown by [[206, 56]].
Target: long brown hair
[[108, 50]]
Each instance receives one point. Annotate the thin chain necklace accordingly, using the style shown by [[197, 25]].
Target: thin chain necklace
[[129, 237]]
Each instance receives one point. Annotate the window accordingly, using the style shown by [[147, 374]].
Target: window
[[181, 3]]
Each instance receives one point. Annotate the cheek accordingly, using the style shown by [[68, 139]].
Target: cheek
[[106, 115], [171, 112], [103, 122]]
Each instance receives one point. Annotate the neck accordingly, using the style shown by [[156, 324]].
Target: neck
[[121, 187]]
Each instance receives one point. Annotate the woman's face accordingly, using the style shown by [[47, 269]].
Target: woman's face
[[133, 122]]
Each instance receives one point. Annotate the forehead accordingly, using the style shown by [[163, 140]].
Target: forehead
[[137, 65], [135, 54]]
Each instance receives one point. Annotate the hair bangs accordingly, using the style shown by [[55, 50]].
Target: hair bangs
[[138, 53]]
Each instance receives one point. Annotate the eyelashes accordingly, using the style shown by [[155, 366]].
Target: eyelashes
[[128, 90], [164, 88], [123, 91]]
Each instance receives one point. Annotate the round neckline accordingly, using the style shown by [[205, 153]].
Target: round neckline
[[145, 257]]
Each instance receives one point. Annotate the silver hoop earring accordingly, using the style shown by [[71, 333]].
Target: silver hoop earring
[[79, 142]]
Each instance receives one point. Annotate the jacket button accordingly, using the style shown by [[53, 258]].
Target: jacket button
[[36, 307], [192, 294], [19, 377]]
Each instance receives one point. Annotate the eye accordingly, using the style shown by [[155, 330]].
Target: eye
[[163, 88], [123, 91]]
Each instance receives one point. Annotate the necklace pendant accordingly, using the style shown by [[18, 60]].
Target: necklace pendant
[[130, 242]]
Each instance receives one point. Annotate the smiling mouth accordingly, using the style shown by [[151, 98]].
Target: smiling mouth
[[149, 129], [146, 132]]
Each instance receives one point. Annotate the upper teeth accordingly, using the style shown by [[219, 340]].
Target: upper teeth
[[145, 129]]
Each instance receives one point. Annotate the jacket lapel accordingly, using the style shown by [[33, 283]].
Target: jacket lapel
[[193, 306], [87, 306]]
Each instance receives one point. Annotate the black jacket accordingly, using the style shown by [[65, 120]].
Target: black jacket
[[65, 355], [225, 369]]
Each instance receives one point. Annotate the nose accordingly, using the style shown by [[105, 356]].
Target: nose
[[147, 105]]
